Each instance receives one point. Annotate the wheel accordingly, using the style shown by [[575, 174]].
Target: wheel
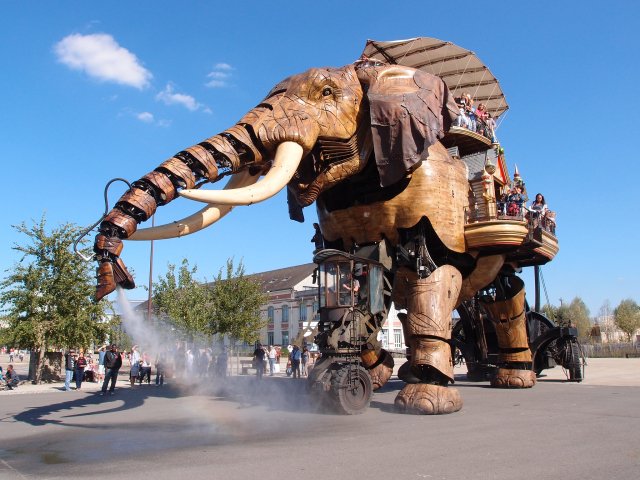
[[351, 389], [575, 365], [568, 355]]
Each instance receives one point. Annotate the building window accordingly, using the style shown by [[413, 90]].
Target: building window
[[285, 314], [270, 314], [397, 338], [384, 337], [285, 338], [270, 338], [303, 312], [315, 307]]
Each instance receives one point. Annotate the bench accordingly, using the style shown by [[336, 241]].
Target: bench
[[632, 355], [245, 365]]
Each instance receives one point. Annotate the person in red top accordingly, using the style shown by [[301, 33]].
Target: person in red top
[[481, 119], [81, 363]]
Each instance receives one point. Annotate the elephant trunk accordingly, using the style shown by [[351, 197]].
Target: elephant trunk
[[210, 160]]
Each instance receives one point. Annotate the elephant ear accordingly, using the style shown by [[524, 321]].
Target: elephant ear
[[410, 111]]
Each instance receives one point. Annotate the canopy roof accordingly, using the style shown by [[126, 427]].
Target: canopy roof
[[459, 68]]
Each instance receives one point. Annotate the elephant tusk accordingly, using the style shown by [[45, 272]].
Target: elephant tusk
[[287, 159], [199, 220]]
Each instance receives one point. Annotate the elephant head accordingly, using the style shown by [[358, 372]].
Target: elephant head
[[311, 132]]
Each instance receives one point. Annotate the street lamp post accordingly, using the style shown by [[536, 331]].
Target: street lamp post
[[153, 222]]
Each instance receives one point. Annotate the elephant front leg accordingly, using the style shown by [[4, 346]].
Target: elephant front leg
[[429, 303], [515, 367]]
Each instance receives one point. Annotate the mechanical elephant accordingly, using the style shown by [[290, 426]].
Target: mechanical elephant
[[362, 142]]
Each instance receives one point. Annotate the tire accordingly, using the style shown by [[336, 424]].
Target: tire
[[351, 399], [575, 365]]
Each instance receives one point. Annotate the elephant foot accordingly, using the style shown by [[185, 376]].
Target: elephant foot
[[427, 399], [381, 372], [513, 378], [110, 275]]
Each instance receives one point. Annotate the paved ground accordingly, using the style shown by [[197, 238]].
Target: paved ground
[[243, 429]]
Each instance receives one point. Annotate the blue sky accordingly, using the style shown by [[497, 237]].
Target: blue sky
[[90, 91]]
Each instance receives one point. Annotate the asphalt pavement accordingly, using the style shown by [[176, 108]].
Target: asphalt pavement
[[242, 428]]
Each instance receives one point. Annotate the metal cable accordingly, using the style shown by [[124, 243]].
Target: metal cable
[[106, 210]]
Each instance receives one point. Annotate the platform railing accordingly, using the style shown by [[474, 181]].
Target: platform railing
[[511, 211]]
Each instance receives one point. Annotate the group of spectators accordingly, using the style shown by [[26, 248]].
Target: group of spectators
[[513, 204], [297, 364], [477, 119]]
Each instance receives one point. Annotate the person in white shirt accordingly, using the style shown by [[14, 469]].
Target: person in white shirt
[[272, 360]]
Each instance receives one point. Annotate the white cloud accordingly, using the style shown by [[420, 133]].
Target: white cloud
[[170, 97], [102, 58], [219, 76], [145, 117]]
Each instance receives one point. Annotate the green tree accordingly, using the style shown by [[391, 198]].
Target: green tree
[[236, 305], [186, 302], [627, 317], [550, 311], [47, 298], [575, 314]]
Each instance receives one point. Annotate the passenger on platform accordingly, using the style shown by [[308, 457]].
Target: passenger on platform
[[539, 204], [504, 200], [515, 201], [491, 128], [481, 120], [537, 210], [470, 112], [462, 120]]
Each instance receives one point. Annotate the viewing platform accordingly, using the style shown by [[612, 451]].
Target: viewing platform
[[466, 141], [526, 238]]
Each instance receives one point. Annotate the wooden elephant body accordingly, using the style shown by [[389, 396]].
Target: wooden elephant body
[[363, 142]]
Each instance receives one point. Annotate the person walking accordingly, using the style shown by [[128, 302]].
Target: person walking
[[101, 353], [305, 360], [134, 361], [81, 364], [272, 360], [160, 366], [258, 360], [69, 368], [145, 369], [112, 364], [222, 363], [296, 356]]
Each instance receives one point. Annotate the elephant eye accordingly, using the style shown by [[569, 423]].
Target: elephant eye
[[327, 91]]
